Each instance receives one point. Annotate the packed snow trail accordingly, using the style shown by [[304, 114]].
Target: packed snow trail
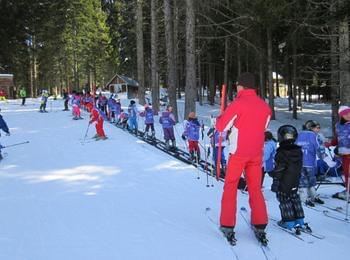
[[120, 199]]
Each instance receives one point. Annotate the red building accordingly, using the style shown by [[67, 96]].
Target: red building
[[7, 87]]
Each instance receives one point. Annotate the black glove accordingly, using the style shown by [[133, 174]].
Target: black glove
[[270, 174], [183, 137], [275, 184]]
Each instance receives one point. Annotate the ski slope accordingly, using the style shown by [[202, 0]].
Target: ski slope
[[121, 198]]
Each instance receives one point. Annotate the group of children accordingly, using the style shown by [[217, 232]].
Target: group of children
[[293, 165]]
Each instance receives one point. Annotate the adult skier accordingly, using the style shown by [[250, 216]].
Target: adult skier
[[247, 118], [23, 95], [66, 100]]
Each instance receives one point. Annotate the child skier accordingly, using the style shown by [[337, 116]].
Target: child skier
[[97, 116], [112, 108], [123, 119], [76, 106], [148, 114], [342, 141], [102, 103], [3, 127], [214, 140], [270, 147], [132, 111], [167, 119], [286, 174], [307, 139], [191, 133], [44, 97]]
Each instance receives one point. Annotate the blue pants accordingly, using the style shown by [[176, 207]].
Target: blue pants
[[215, 154], [132, 123], [308, 177]]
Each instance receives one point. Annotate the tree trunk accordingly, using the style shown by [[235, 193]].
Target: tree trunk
[[276, 71], [344, 61], [261, 75], [169, 43], [226, 60], [200, 83], [139, 51], [190, 96], [239, 65], [154, 50], [334, 78], [176, 48], [295, 81], [269, 67], [211, 80]]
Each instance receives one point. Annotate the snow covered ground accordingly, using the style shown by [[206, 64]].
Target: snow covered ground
[[123, 199]]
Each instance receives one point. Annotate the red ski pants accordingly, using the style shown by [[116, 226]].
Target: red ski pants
[[251, 166], [99, 128], [193, 146], [345, 161]]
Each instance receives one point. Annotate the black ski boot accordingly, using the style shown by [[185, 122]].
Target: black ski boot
[[229, 234], [173, 145], [298, 230], [318, 200], [167, 145], [307, 228], [309, 203], [260, 234], [192, 157]]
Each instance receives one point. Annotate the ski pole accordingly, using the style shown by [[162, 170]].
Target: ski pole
[[206, 158], [347, 196], [7, 146], [86, 133], [222, 108]]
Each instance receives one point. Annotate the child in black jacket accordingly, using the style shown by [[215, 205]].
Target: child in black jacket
[[286, 174]]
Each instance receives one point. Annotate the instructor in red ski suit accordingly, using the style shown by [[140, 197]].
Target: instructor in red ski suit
[[247, 118]]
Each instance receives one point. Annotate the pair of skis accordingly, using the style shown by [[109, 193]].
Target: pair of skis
[[331, 214], [268, 254]]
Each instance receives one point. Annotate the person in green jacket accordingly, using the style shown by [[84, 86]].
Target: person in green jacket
[[23, 95]]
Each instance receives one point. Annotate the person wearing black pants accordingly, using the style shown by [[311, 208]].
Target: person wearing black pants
[[66, 99]]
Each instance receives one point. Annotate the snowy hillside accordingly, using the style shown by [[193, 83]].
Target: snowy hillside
[[124, 199]]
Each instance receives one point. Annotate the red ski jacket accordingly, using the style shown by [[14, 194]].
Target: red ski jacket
[[95, 116], [247, 118]]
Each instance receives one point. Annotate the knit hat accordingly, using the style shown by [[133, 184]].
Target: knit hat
[[246, 80], [343, 110]]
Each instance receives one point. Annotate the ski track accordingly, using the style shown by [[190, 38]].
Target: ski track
[[124, 199]]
